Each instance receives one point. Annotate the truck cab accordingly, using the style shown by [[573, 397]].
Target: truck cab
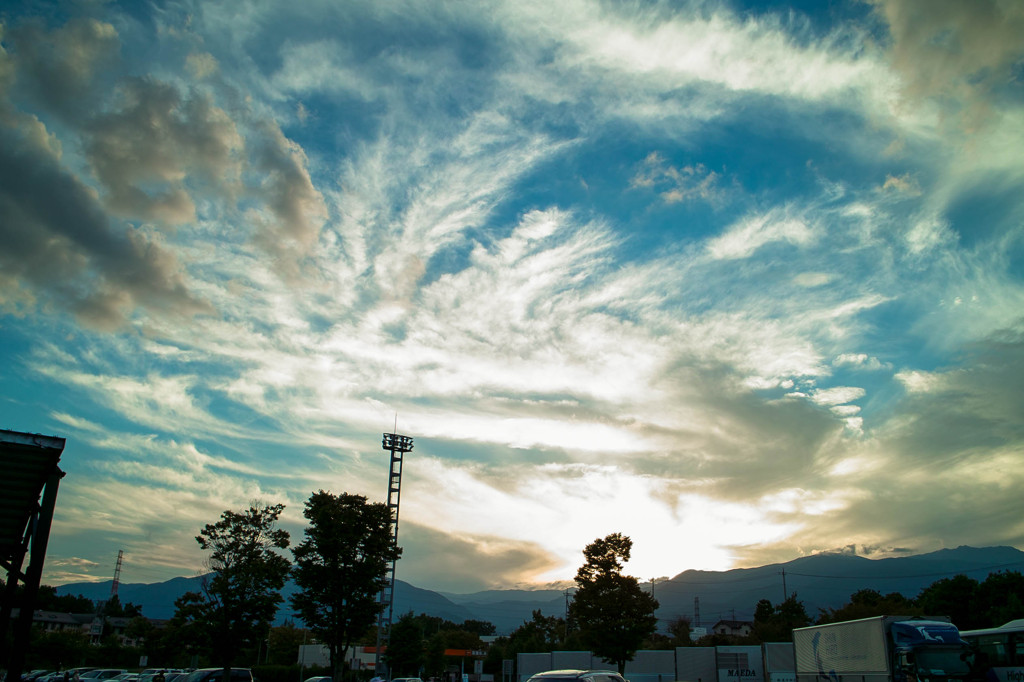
[[929, 651]]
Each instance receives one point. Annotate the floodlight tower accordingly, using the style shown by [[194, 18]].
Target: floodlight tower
[[397, 445]]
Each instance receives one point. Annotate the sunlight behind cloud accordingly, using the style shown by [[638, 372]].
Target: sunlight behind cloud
[[730, 282]]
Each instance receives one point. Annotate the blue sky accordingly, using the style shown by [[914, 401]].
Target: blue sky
[[742, 281]]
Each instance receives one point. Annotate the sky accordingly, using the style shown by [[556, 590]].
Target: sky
[[741, 281]]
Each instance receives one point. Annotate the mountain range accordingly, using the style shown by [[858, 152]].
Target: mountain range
[[819, 581]]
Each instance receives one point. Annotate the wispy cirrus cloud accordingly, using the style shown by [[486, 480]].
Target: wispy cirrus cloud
[[296, 229]]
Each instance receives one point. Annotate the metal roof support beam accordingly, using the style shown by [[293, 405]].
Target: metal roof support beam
[[28, 496], [34, 574]]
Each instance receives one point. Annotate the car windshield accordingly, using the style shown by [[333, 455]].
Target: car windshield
[[945, 662]]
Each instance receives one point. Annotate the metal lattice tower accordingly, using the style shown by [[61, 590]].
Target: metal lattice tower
[[397, 445], [117, 574]]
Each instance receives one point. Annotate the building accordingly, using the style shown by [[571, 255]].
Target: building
[[89, 624], [733, 628]]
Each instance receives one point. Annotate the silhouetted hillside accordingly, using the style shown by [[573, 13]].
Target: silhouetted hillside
[[820, 581]]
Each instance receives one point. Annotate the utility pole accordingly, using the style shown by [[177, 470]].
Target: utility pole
[[785, 592], [566, 635]]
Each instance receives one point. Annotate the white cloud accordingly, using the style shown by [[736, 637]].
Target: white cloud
[[351, 224], [837, 395], [860, 361], [743, 239]]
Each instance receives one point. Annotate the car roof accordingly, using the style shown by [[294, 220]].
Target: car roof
[[573, 673]]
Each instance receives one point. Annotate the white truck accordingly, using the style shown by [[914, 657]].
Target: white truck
[[882, 649]]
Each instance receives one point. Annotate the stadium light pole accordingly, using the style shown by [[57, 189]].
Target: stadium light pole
[[397, 445]]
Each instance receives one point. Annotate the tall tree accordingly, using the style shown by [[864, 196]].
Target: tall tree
[[1000, 598], [954, 597], [680, 629], [341, 567], [283, 642], [406, 647], [540, 634], [240, 596], [47, 599], [613, 614], [776, 623], [113, 608], [867, 603]]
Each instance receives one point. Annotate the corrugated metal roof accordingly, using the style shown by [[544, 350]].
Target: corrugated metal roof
[[27, 461]]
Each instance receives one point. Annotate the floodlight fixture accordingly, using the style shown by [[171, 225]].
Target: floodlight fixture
[[393, 442]]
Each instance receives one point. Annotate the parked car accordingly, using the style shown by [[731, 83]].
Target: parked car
[[578, 676], [150, 674], [102, 673], [217, 674], [319, 678], [29, 676]]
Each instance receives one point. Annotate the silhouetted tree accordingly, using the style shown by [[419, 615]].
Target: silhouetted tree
[[47, 599], [776, 623], [340, 568], [282, 643], [1000, 598], [406, 649], [481, 628], [868, 603], [58, 649], [540, 634], [681, 630], [612, 613], [241, 595], [954, 597], [113, 608], [678, 635]]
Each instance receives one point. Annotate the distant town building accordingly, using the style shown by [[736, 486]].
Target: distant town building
[[733, 628], [89, 624]]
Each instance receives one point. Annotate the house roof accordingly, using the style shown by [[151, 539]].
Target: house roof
[[734, 624]]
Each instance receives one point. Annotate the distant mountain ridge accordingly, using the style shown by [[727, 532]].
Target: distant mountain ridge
[[820, 581]]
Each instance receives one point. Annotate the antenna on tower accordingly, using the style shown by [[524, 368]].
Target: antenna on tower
[[117, 574], [696, 612]]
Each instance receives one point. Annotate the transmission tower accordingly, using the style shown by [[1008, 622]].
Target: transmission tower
[[117, 574], [397, 445]]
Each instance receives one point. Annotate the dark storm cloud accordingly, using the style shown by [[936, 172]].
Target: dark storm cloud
[[58, 240], [747, 445], [144, 151], [296, 208], [58, 68], [156, 150], [466, 563], [977, 407], [944, 468], [967, 50]]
